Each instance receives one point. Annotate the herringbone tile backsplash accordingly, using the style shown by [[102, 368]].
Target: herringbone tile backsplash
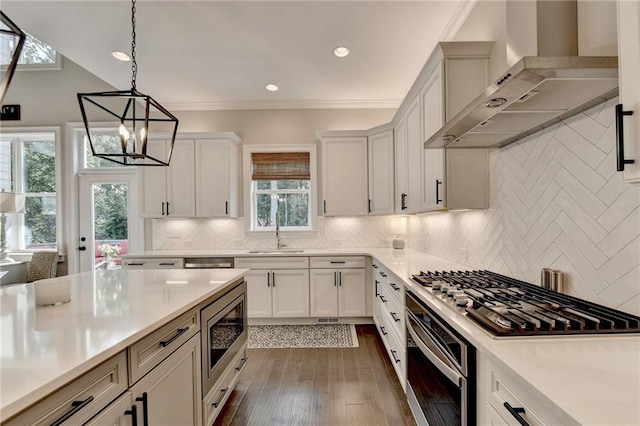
[[556, 201]]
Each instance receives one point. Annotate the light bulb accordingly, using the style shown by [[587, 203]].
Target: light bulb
[[123, 130], [143, 134]]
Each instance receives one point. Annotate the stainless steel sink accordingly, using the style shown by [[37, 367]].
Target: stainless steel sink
[[292, 250]]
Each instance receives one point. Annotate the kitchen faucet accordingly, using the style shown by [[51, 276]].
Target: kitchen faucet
[[279, 244]]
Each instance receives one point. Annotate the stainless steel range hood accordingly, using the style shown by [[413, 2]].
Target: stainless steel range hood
[[535, 93]]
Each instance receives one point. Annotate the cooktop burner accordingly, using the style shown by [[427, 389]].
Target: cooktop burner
[[509, 307]]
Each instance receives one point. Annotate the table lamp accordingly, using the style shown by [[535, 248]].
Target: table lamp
[[10, 202]]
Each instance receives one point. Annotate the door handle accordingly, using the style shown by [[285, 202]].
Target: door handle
[[82, 248], [620, 160], [438, 183], [163, 209], [134, 415], [145, 409]]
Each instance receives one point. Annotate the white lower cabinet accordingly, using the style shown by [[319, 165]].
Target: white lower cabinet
[[171, 393], [506, 399], [277, 287], [338, 292]]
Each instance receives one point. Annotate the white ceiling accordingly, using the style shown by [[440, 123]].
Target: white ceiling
[[220, 54]]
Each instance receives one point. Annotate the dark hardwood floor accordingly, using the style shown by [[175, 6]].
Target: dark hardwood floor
[[337, 386]]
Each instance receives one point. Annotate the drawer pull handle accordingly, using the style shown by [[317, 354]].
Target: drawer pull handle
[[222, 392], [394, 286], [338, 261], [75, 407], [383, 299], [375, 266], [383, 274], [167, 263], [393, 354], [179, 333], [135, 263], [394, 316], [145, 408], [134, 415], [516, 412], [384, 333], [243, 361]]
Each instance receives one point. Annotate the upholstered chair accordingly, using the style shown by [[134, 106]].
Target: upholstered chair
[[43, 265]]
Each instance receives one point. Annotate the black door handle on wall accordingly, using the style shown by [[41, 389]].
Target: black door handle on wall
[[620, 160], [438, 183]]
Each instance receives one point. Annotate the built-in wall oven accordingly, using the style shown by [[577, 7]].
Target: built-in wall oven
[[440, 369], [223, 333]]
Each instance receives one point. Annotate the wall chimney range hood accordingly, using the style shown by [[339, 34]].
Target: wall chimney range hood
[[537, 91]]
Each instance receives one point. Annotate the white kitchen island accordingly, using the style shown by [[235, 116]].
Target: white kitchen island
[[44, 348]]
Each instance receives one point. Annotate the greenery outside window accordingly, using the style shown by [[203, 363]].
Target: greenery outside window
[[106, 140], [281, 182], [29, 166], [35, 54]]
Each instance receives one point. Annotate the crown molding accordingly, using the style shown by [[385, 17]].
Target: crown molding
[[458, 18]]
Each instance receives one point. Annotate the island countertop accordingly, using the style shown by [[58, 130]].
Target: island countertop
[[43, 348]]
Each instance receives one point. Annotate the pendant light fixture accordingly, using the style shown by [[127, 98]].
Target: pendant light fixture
[[138, 115], [13, 37]]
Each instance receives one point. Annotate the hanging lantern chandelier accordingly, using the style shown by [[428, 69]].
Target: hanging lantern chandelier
[[14, 38], [138, 115]]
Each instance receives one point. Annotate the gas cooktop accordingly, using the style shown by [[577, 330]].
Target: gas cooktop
[[509, 307]]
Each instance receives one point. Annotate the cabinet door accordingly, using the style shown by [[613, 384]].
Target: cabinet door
[[173, 389], [344, 176], [290, 292], [351, 293], [258, 293], [114, 414], [400, 145], [216, 178], [415, 152], [381, 199], [629, 69], [181, 193], [153, 183], [432, 100], [323, 284]]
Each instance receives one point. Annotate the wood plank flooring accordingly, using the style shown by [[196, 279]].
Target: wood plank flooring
[[337, 386]]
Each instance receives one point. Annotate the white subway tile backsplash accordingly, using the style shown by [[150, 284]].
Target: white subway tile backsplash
[[569, 211]]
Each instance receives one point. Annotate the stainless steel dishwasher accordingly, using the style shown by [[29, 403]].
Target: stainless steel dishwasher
[[208, 262]]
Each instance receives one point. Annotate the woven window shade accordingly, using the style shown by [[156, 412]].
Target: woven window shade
[[280, 166]]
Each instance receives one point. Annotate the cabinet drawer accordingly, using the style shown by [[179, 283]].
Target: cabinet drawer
[[337, 262], [392, 311], [148, 352], [503, 388], [81, 399], [213, 402], [153, 263], [272, 262], [395, 349]]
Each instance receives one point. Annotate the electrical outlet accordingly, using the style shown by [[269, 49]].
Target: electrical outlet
[[173, 233], [463, 254]]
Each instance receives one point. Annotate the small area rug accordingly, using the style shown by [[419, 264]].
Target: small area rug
[[303, 336]]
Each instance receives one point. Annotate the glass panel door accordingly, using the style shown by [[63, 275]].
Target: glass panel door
[[108, 219]]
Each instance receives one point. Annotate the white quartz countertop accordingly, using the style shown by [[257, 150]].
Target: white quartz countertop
[[43, 348], [592, 380]]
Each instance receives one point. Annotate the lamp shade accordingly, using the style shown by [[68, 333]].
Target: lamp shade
[[13, 37], [399, 225], [11, 202]]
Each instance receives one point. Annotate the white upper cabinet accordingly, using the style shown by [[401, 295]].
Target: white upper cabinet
[[201, 180], [415, 151], [629, 72], [381, 175], [344, 176], [456, 73], [401, 172], [169, 191], [216, 167]]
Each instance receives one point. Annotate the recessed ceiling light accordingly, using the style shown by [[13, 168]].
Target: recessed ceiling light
[[272, 87], [121, 56], [341, 51]]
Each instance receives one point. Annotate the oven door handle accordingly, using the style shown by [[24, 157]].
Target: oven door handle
[[449, 372]]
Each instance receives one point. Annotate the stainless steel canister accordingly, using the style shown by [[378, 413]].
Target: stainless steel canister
[[545, 278], [557, 281]]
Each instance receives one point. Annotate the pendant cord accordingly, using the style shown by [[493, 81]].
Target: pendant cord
[[134, 64]]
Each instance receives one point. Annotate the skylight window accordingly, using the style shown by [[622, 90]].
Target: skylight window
[[35, 54]]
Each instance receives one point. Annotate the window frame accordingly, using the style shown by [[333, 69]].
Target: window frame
[[250, 198], [55, 66], [18, 135]]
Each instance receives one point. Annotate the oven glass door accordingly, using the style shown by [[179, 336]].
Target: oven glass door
[[225, 329]]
